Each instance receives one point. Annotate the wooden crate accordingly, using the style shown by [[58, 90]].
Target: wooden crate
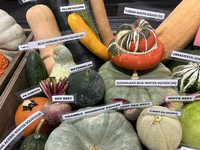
[[15, 81], [4, 79]]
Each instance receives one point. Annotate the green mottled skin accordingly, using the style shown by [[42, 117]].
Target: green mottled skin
[[88, 89]]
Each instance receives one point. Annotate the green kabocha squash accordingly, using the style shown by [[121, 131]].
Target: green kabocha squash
[[11, 35], [189, 74], [106, 131], [63, 60], [87, 86], [35, 141], [136, 46], [159, 132], [155, 94]]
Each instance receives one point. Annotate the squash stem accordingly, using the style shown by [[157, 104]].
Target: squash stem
[[37, 134], [87, 71], [135, 75]]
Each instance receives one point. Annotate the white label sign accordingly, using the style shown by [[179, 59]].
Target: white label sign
[[62, 98], [80, 67], [19, 129], [163, 112], [72, 8], [30, 93], [42, 43], [179, 98], [144, 13], [136, 105], [185, 148], [92, 111], [185, 56], [170, 82]]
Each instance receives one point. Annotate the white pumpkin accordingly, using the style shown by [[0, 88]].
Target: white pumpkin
[[11, 35]]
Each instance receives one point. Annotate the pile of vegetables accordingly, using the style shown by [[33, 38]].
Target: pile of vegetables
[[137, 52]]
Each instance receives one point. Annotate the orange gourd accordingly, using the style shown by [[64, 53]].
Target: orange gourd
[[26, 109], [4, 62]]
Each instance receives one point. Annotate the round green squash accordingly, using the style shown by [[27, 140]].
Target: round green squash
[[159, 132], [111, 72], [87, 86], [106, 131], [35, 141], [190, 123]]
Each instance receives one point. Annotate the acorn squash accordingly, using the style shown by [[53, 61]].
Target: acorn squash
[[106, 131], [155, 94]]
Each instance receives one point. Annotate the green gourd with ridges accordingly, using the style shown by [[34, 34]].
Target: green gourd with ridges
[[87, 86], [35, 141], [35, 68]]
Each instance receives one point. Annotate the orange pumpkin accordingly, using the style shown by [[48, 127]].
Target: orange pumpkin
[[26, 109], [4, 62]]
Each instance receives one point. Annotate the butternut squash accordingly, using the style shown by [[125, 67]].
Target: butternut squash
[[44, 26], [102, 21], [90, 41], [180, 27]]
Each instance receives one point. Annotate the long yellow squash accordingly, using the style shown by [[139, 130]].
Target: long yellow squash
[[180, 27], [90, 41]]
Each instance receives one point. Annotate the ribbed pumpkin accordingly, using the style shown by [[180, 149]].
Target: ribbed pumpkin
[[11, 35], [106, 131], [35, 141], [136, 46], [159, 132], [26, 109], [155, 94], [87, 86]]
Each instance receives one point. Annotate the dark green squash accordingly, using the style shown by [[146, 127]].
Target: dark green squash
[[35, 141], [87, 86]]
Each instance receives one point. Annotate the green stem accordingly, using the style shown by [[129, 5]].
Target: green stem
[[87, 72], [37, 134]]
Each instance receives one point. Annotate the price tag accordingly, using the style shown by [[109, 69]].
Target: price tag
[[30, 93], [72, 8], [179, 98], [80, 66], [136, 105], [185, 148], [63, 98], [163, 112], [185, 56]]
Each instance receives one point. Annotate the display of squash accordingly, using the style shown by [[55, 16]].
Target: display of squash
[[63, 60], [155, 94], [28, 108], [105, 131], [11, 35], [35, 141], [87, 86], [159, 132], [136, 46]]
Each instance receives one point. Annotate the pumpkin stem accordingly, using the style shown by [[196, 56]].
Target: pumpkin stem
[[135, 75], [28, 105], [37, 134], [87, 71], [56, 51]]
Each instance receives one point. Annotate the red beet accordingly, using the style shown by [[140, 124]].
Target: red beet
[[52, 111]]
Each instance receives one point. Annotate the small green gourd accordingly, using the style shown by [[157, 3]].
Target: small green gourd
[[63, 60], [35, 141]]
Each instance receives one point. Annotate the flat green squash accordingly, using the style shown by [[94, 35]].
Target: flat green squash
[[106, 131], [135, 94]]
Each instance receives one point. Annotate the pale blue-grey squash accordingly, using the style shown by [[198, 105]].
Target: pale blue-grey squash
[[105, 131], [135, 94]]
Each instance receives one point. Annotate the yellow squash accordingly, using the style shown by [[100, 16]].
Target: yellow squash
[[90, 41]]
